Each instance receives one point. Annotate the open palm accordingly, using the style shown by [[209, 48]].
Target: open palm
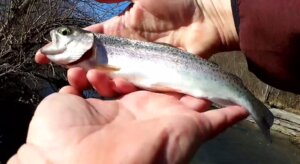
[[140, 127]]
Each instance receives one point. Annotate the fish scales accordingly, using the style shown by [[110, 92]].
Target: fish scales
[[176, 57], [162, 51], [156, 67]]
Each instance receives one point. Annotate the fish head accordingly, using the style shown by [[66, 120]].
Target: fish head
[[68, 45]]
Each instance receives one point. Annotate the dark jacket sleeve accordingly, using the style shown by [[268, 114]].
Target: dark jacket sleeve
[[269, 32]]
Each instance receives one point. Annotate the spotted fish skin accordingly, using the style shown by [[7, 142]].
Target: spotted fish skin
[[164, 68]]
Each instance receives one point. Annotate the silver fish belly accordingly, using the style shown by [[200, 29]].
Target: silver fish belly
[[159, 67]]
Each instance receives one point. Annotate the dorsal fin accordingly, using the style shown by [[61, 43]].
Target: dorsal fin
[[235, 78], [214, 63]]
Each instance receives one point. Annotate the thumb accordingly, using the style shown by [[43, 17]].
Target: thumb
[[213, 122]]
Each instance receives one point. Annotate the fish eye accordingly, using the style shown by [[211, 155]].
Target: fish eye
[[65, 31]]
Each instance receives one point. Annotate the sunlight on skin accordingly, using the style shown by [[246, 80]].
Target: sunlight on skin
[[189, 25], [69, 129], [201, 28], [141, 126]]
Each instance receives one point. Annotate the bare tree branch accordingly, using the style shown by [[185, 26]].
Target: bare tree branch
[[25, 28]]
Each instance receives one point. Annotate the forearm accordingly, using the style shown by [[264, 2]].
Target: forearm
[[219, 13]]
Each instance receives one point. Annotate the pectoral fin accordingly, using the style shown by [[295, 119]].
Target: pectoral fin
[[162, 88], [107, 68]]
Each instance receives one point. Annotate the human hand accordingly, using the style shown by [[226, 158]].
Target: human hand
[[187, 24], [197, 26], [140, 127]]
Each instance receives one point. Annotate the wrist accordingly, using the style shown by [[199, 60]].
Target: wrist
[[219, 14]]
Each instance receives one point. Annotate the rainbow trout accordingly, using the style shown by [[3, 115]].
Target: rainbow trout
[[156, 67]]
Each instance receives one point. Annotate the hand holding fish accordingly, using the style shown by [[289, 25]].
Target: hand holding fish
[[181, 25], [153, 127], [205, 27], [153, 67], [192, 25], [140, 127]]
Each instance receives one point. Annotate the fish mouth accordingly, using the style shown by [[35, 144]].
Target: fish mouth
[[52, 48], [68, 49], [49, 50]]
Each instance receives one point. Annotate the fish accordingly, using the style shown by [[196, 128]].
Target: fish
[[155, 67]]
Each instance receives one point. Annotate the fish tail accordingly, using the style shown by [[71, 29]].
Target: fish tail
[[264, 119]]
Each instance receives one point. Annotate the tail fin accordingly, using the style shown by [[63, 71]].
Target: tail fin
[[264, 119], [265, 128]]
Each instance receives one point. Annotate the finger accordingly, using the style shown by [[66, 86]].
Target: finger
[[101, 83], [41, 58], [116, 27], [199, 105], [113, 26], [70, 90], [123, 86], [175, 95], [96, 28], [77, 79], [214, 122]]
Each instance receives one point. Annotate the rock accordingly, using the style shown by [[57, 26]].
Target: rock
[[295, 141]]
